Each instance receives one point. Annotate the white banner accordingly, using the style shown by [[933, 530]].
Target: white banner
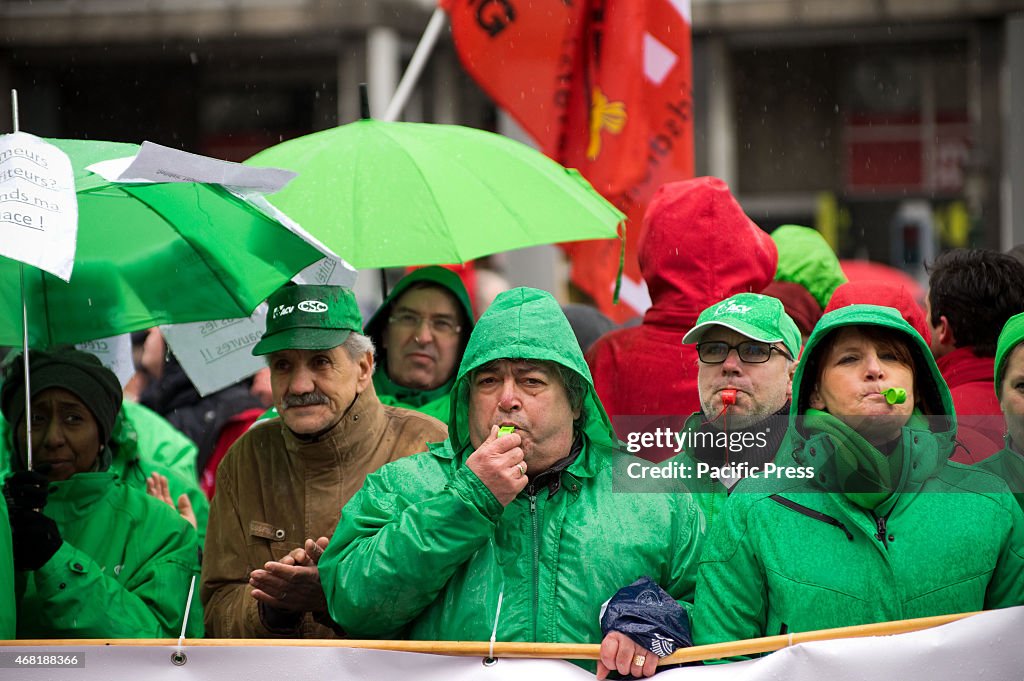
[[157, 163], [985, 646], [115, 353], [38, 206], [216, 354]]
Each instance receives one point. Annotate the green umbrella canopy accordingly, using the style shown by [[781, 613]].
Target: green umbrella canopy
[[384, 194], [150, 254]]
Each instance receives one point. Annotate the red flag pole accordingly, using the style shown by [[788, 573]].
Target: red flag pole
[[416, 64]]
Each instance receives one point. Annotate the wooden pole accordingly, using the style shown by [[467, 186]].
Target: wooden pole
[[564, 651]]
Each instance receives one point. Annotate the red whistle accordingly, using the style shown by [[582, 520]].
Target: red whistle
[[728, 397]]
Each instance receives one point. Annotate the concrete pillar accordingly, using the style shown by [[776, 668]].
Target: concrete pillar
[[985, 168], [382, 62], [351, 72], [721, 127], [1012, 232], [447, 97]]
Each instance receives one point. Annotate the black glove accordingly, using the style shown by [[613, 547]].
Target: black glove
[[651, 618], [35, 538], [27, 490]]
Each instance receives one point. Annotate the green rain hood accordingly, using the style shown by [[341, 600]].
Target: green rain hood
[[526, 323], [802, 553], [431, 402], [424, 550], [805, 258]]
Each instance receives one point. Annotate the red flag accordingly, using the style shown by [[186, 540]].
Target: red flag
[[604, 86], [524, 56]]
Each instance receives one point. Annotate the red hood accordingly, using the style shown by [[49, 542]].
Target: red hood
[[697, 247], [882, 293]]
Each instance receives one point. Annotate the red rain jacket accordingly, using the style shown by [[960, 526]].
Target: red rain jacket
[[697, 248], [980, 423]]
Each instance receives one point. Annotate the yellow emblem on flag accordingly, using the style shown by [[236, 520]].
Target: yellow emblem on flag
[[604, 115]]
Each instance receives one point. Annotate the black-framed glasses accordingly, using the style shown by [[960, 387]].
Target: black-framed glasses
[[439, 325], [750, 352]]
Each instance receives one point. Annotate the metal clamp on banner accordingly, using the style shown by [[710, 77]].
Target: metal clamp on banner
[[490, 660], [178, 657]]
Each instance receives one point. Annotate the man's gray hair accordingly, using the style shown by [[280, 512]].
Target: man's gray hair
[[357, 345]]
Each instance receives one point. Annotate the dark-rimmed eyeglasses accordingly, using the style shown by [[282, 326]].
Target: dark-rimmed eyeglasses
[[438, 325], [750, 352]]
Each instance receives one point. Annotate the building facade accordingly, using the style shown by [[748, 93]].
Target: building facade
[[890, 125]]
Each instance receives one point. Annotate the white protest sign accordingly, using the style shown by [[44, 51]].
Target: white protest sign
[[157, 163], [216, 354], [115, 353], [38, 207]]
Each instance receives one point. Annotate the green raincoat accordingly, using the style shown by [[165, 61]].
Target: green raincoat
[[1008, 464], [143, 442], [709, 492], [7, 607], [424, 549], [431, 402], [931, 537], [123, 571]]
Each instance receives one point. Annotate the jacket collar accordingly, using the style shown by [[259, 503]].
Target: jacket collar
[[82, 490]]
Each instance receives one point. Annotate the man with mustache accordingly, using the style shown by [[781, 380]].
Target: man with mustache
[[747, 350], [282, 484], [432, 543]]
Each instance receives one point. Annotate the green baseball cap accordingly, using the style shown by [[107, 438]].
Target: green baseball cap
[[1011, 335], [309, 318], [760, 318]]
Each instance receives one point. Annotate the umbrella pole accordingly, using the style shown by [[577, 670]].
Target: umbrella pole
[[24, 325], [24, 357], [416, 64]]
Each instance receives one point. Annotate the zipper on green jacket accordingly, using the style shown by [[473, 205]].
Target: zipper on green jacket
[[536, 560], [811, 513], [880, 524]]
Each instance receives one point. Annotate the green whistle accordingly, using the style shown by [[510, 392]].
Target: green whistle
[[895, 395], [508, 430]]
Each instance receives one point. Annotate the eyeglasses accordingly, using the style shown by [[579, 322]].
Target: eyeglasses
[[438, 325], [750, 352]]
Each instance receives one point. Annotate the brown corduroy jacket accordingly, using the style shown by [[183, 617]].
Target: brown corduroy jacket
[[274, 491]]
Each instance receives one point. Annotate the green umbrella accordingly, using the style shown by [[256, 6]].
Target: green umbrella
[[386, 194], [150, 254]]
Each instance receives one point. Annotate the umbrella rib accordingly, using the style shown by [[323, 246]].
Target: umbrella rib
[[213, 271], [433, 199], [506, 205]]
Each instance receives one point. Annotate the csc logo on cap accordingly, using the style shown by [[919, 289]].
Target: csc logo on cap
[[312, 306], [728, 307]]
